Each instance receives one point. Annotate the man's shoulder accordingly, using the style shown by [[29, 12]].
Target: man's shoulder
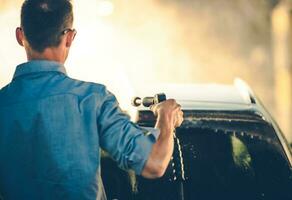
[[2, 90], [85, 88]]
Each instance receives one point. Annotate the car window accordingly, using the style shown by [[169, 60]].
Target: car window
[[222, 164]]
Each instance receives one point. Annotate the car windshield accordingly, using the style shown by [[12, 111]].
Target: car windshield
[[222, 164]]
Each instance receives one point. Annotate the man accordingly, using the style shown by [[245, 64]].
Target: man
[[52, 126]]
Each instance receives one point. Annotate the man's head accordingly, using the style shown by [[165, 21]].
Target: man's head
[[46, 24]]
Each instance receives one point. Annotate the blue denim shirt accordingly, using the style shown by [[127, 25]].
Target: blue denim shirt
[[51, 130]]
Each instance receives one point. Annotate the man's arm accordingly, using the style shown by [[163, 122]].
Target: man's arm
[[127, 143], [169, 116]]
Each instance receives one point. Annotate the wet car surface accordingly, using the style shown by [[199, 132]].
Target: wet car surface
[[223, 150]]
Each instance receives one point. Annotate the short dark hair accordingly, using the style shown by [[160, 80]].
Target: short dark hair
[[44, 20]]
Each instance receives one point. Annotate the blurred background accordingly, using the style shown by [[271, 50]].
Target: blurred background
[[123, 43]]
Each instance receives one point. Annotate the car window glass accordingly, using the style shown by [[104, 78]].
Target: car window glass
[[222, 164]]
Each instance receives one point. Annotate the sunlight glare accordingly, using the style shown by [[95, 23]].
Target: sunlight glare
[[105, 8]]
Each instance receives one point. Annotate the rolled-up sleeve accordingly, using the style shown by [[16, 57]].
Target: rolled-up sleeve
[[127, 143]]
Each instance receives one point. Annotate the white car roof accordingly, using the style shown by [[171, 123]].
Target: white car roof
[[190, 95]]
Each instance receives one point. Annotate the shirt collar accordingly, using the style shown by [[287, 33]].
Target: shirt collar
[[36, 66]]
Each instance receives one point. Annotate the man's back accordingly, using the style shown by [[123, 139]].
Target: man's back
[[45, 135]]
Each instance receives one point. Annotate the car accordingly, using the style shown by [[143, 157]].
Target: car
[[228, 147]]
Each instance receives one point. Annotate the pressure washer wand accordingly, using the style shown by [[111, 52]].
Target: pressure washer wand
[[149, 101]]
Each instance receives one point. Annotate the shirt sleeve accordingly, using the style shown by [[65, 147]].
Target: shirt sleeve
[[127, 143]]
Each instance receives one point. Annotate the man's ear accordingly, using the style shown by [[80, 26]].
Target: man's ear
[[70, 38], [19, 36]]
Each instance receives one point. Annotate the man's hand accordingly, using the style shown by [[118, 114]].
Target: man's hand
[[168, 112], [169, 116]]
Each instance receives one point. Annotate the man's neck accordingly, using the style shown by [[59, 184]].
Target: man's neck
[[51, 54]]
